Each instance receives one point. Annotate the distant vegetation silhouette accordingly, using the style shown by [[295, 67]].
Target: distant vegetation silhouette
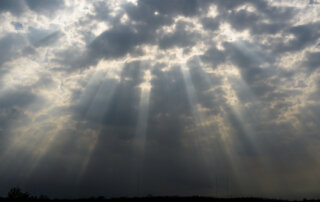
[[15, 194]]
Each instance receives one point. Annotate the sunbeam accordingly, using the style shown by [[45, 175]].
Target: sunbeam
[[125, 98], [244, 132], [224, 140], [98, 106], [103, 83], [141, 128], [209, 138]]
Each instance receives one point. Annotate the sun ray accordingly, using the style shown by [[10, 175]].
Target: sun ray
[[223, 133], [141, 128], [104, 90], [233, 86], [98, 108], [209, 137]]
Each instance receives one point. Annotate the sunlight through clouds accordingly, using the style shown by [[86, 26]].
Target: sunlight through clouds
[[173, 97]]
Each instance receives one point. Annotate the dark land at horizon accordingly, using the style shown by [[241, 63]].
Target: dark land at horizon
[[161, 198], [15, 194]]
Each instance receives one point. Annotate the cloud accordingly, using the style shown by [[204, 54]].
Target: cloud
[[213, 56], [177, 7], [122, 39], [19, 7], [45, 6], [10, 46], [180, 38], [40, 37], [210, 23], [312, 60], [304, 36], [14, 7]]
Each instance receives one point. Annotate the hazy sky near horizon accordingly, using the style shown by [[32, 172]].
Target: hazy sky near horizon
[[161, 97]]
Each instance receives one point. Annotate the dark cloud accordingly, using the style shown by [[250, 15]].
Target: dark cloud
[[254, 21], [18, 7], [45, 6], [111, 44], [244, 20], [16, 99], [177, 7], [213, 56], [313, 2], [101, 10], [15, 7], [316, 94], [210, 23], [312, 61], [304, 35], [117, 42], [179, 38], [11, 46]]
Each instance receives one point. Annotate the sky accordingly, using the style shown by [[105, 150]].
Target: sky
[[171, 97]]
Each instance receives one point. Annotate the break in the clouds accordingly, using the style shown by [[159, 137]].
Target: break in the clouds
[[170, 97]]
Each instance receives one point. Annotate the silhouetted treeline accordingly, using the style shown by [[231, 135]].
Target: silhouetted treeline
[[15, 194]]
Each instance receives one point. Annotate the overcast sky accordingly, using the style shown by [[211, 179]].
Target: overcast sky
[[161, 97]]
